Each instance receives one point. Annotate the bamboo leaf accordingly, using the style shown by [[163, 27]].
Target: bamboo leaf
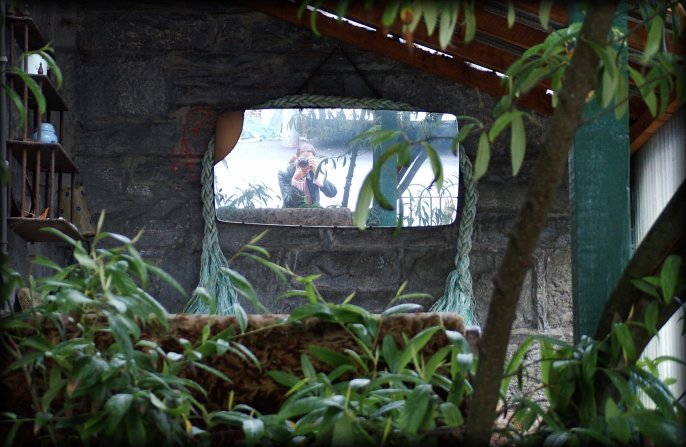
[[499, 125], [18, 104], [651, 101], [446, 27], [650, 317], [483, 157], [241, 316], [511, 14], [117, 406], [329, 356], [207, 298], [544, 12], [242, 284], [436, 164], [253, 429], [390, 13], [34, 88], [470, 22], [166, 277], [654, 40], [626, 341], [645, 287], [669, 276], [402, 308], [364, 200], [518, 142], [417, 410], [430, 10], [283, 378]]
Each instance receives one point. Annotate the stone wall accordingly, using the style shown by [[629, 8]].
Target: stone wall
[[145, 82]]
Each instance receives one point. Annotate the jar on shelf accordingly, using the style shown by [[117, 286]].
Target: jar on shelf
[[47, 134]]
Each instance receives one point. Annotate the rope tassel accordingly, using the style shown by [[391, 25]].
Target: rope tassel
[[212, 260], [458, 296]]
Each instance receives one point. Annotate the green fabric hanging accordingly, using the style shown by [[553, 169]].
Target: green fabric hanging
[[212, 260], [458, 296]]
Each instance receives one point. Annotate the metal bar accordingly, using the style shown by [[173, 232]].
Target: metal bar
[[39, 117], [36, 187], [59, 195], [22, 210], [73, 189], [51, 183], [26, 87]]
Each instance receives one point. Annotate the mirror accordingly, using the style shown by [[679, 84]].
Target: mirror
[[306, 166]]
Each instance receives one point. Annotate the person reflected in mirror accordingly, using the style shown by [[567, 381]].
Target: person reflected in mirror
[[301, 182]]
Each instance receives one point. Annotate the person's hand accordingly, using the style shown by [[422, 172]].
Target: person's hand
[[300, 173], [313, 165]]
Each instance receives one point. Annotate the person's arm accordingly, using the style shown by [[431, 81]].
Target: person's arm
[[326, 187], [292, 196]]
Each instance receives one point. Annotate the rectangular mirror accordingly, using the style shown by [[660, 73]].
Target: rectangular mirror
[[306, 167]]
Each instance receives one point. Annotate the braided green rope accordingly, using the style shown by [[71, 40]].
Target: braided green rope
[[458, 296], [212, 259], [306, 100]]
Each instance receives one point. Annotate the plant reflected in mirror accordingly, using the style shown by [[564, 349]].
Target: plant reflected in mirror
[[307, 166]]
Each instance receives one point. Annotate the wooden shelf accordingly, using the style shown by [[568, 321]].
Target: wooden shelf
[[52, 98], [30, 229], [63, 163], [36, 40]]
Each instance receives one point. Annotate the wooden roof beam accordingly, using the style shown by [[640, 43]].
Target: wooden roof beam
[[475, 52], [452, 69]]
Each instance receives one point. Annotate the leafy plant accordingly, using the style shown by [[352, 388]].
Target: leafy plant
[[591, 387], [89, 359], [428, 206], [254, 195], [377, 393]]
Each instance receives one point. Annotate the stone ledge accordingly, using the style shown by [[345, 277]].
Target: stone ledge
[[315, 217]]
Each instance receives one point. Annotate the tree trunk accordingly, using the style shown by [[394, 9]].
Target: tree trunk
[[548, 173]]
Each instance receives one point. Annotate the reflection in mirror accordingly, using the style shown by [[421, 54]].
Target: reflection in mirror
[[306, 167]]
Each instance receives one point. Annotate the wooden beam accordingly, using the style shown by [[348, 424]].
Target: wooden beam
[[558, 12], [453, 69], [475, 52], [666, 236], [494, 25]]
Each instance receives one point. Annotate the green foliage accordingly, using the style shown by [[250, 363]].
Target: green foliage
[[383, 390], [429, 206], [380, 392], [591, 387], [254, 195], [660, 76], [84, 390], [408, 146]]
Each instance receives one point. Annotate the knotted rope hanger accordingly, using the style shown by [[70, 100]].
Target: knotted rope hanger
[[212, 258], [458, 296]]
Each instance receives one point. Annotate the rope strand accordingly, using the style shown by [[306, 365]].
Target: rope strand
[[212, 258], [458, 296]]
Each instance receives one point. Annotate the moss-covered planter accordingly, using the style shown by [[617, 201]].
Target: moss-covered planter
[[277, 345]]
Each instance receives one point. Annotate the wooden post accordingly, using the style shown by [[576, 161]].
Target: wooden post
[[599, 202]]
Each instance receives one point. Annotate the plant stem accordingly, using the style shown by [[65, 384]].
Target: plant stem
[[531, 220]]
